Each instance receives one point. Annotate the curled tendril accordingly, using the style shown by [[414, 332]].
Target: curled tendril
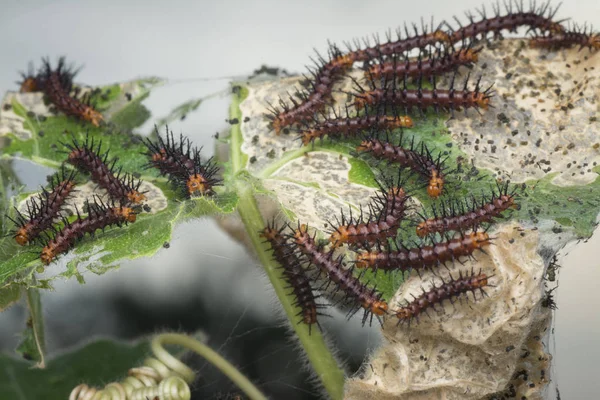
[[171, 388], [163, 376]]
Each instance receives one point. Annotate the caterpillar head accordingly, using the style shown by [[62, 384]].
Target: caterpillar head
[[436, 185], [92, 116], [22, 236]]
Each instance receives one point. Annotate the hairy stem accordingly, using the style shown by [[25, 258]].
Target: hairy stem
[[36, 345], [321, 359]]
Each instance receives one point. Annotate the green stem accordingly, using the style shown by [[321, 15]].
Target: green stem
[[286, 158], [34, 304], [321, 359], [209, 354]]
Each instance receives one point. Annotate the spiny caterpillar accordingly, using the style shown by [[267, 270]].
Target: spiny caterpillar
[[57, 85], [442, 61], [437, 294], [417, 158], [460, 216], [293, 273], [350, 126], [100, 216], [30, 81], [328, 72], [182, 164], [577, 36], [358, 293], [42, 212], [88, 157], [319, 94], [424, 256], [535, 18], [388, 95], [386, 214], [403, 44]]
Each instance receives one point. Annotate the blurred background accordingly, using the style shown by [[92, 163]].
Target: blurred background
[[206, 281]]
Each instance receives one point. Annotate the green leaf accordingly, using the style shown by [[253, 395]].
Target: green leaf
[[103, 252], [333, 176], [360, 173], [106, 97], [40, 139], [33, 344], [8, 296], [96, 364], [572, 206]]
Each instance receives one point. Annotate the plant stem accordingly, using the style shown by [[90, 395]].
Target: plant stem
[[34, 304], [321, 359], [209, 354]]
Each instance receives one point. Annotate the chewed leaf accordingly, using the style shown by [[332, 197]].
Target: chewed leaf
[[104, 252], [33, 131], [320, 181], [540, 139]]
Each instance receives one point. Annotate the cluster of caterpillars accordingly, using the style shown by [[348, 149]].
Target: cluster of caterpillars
[[396, 86], [394, 89], [37, 223], [180, 161], [455, 231]]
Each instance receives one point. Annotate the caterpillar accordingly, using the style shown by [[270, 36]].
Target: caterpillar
[[294, 274], [57, 85], [360, 294], [391, 198], [417, 158], [349, 126], [328, 72], [385, 217], [447, 100], [29, 82], [535, 18], [425, 256], [182, 164], [87, 158], [446, 291], [577, 36], [42, 212], [403, 43], [316, 97], [100, 216], [460, 216], [401, 66]]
